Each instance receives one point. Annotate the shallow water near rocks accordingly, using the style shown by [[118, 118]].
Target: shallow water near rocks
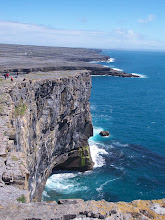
[[130, 163]]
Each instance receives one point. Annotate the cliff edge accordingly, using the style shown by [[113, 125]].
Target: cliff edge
[[45, 124]]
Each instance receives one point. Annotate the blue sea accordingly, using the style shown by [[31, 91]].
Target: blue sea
[[130, 163]]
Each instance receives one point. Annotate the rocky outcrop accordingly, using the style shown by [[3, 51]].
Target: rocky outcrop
[[49, 126], [78, 209], [104, 133]]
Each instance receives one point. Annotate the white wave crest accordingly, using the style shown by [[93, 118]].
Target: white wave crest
[[118, 69], [102, 185], [45, 194], [96, 154], [120, 144], [140, 75], [97, 130], [93, 107], [111, 60], [64, 183]]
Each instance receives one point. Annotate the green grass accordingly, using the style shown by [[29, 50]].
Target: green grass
[[22, 199], [15, 158], [20, 109]]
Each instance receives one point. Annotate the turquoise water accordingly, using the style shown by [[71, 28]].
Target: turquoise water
[[130, 164]]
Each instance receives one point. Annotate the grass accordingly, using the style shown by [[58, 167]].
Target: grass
[[15, 158], [1, 109], [20, 109], [21, 199]]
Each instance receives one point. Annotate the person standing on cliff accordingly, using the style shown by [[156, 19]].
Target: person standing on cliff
[[7, 75]]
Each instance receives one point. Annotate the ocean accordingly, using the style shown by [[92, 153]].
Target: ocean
[[130, 163]]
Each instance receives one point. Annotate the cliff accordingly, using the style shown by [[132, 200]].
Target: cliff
[[45, 123], [26, 59], [48, 123]]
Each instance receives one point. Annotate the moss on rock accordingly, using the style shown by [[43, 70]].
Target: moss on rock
[[85, 156]]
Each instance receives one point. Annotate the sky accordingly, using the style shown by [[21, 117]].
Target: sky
[[107, 24]]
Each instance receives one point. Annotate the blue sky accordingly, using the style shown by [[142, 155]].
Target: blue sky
[[119, 24]]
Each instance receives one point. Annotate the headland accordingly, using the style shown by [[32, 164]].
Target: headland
[[26, 59], [45, 123]]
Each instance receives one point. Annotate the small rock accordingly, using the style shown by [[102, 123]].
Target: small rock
[[113, 212], [102, 216], [158, 209], [69, 216], [104, 133], [69, 201]]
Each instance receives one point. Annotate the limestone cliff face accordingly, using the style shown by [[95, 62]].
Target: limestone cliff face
[[52, 123]]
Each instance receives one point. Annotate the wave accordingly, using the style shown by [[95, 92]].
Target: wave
[[65, 183], [140, 75], [45, 194], [93, 107], [100, 75], [97, 130], [96, 154], [111, 60], [104, 184], [118, 69], [116, 143]]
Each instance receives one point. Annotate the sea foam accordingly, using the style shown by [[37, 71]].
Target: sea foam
[[96, 154], [140, 75], [111, 60], [65, 183], [118, 69]]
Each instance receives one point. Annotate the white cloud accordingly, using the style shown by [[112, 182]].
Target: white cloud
[[30, 34], [127, 34], [22, 33], [148, 19]]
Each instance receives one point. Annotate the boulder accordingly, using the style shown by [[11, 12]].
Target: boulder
[[104, 133]]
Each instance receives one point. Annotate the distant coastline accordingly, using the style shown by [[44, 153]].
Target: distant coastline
[[27, 59]]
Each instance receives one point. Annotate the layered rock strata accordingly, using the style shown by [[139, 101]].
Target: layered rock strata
[[48, 123]]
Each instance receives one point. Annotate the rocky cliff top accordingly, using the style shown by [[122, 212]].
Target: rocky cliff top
[[25, 59], [78, 209], [29, 58]]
